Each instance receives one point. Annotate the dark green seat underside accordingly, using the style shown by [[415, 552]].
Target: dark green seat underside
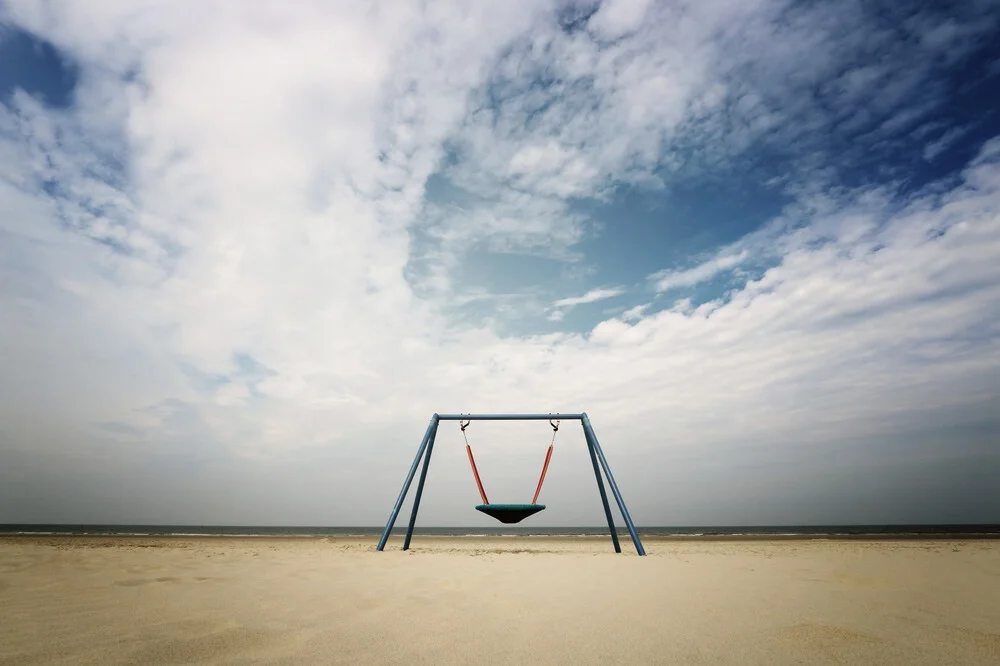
[[510, 513]]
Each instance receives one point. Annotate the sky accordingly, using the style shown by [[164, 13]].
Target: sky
[[248, 249]]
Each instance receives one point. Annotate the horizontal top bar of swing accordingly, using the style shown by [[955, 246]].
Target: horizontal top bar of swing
[[509, 417]]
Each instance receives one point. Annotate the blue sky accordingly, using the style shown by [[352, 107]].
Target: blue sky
[[244, 256]]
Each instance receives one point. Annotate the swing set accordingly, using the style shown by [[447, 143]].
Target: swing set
[[511, 513]]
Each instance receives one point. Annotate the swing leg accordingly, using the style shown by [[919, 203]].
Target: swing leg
[[431, 429], [604, 495], [420, 489], [614, 486]]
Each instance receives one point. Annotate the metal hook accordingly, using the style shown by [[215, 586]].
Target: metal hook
[[555, 426], [465, 425]]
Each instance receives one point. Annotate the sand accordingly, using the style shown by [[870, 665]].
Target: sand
[[73, 600]]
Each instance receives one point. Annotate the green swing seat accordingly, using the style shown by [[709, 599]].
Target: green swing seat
[[510, 513]]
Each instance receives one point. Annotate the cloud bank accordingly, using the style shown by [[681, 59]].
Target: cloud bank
[[228, 276]]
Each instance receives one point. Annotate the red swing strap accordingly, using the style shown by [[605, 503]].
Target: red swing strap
[[548, 457], [475, 471], [472, 461]]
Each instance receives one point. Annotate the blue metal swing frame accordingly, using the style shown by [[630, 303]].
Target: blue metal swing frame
[[597, 458]]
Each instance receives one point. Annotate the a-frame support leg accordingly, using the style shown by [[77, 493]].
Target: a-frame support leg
[[420, 489], [592, 440], [428, 438], [604, 495]]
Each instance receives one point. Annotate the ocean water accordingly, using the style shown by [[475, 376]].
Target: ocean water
[[804, 531]]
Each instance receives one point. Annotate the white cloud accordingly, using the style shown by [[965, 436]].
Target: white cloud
[[619, 17], [703, 272], [591, 296], [635, 313], [253, 189], [559, 309], [683, 305], [944, 142], [649, 90]]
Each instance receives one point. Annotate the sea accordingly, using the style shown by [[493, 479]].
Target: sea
[[777, 531]]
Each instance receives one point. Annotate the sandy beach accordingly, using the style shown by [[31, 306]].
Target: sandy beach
[[172, 600]]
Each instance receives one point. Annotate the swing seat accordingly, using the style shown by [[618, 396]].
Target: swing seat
[[510, 513]]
